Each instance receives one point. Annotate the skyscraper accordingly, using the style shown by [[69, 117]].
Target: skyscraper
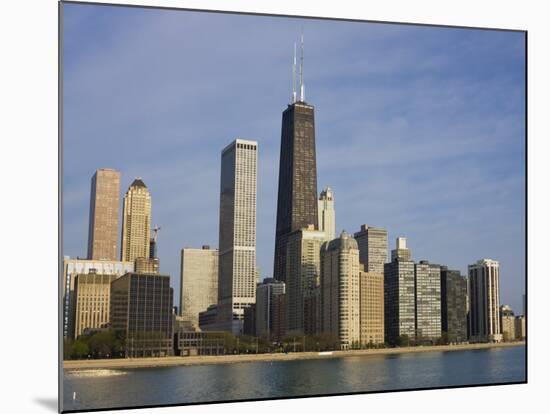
[[427, 286], [373, 248], [453, 305], [340, 290], [199, 282], [103, 224], [136, 222], [303, 268], [484, 300], [399, 295], [297, 195], [327, 216], [237, 241]]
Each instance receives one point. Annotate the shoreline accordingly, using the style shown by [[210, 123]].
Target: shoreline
[[75, 365]]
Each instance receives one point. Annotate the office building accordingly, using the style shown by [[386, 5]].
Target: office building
[[399, 296], [373, 248], [147, 265], [507, 323], [103, 222], [268, 306], [302, 275], [484, 301], [141, 309], [92, 296], [327, 216], [297, 194], [136, 222], [73, 267], [198, 281], [427, 279], [371, 304], [237, 241], [208, 319], [340, 290], [453, 305]]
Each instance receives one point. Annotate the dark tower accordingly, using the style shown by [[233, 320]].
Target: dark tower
[[297, 196]]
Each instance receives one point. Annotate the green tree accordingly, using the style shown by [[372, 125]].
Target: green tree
[[79, 349]]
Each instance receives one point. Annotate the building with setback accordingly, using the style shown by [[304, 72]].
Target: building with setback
[[136, 222], [399, 295], [141, 309], [327, 215], [237, 241], [373, 248], [484, 301], [198, 281], [269, 301], [103, 223], [427, 281], [340, 290], [297, 194], [303, 268], [453, 305]]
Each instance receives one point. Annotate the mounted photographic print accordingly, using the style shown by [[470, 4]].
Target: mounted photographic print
[[261, 207]]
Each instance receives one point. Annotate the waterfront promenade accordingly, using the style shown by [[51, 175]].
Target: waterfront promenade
[[228, 359]]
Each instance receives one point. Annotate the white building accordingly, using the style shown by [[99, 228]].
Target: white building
[[327, 216], [198, 282], [484, 301], [237, 241]]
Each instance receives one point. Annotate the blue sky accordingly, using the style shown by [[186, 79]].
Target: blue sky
[[419, 130]]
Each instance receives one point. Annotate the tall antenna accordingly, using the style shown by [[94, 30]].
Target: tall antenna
[[302, 87], [294, 76]]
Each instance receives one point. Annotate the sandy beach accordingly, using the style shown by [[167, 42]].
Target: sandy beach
[[229, 359]]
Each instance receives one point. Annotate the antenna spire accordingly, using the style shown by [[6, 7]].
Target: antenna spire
[[294, 76], [302, 87]]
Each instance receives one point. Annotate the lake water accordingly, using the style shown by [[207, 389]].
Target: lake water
[[256, 380]]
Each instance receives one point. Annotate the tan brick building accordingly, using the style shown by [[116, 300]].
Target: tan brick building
[[371, 307]]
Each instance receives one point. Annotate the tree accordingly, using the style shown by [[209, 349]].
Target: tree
[[79, 349]]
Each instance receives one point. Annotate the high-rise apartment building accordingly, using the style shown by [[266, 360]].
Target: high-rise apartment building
[[453, 305], [303, 268], [237, 241], [198, 281], [427, 278], [136, 222], [92, 295], [268, 308], [507, 323], [399, 295], [74, 267], [371, 304], [484, 301], [141, 309], [373, 248], [340, 290], [103, 223], [297, 194], [327, 216], [520, 328]]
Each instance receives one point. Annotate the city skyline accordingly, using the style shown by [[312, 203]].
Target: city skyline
[[428, 240]]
